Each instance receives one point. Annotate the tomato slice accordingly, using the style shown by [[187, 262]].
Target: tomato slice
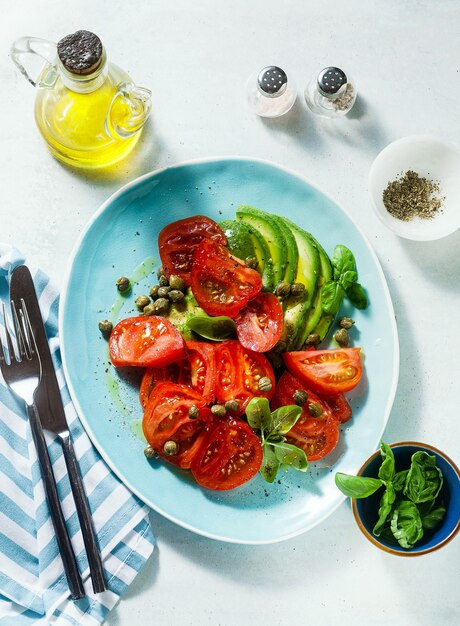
[[230, 455], [221, 283], [145, 341], [317, 436], [339, 407], [238, 373], [166, 419], [199, 369], [327, 372], [260, 323], [178, 240], [154, 375]]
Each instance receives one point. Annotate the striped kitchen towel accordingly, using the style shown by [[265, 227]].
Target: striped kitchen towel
[[33, 587]]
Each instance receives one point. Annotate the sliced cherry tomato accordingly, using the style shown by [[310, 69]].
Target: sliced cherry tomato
[[238, 373], [178, 240], [154, 375], [145, 341], [230, 455], [339, 407], [166, 419], [221, 283], [317, 436], [260, 323], [199, 369], [327, 372]]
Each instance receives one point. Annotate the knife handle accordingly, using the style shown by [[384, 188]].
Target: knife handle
[[84, 515], [72, 573]]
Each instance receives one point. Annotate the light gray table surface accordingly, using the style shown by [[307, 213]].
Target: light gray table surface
[[196, 57]]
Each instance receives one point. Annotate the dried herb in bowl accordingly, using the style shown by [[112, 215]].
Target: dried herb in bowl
[[411, 196]]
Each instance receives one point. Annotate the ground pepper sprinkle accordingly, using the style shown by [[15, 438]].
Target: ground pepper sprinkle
[[411, 196]]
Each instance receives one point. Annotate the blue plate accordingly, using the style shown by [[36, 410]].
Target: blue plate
[[122, 234]]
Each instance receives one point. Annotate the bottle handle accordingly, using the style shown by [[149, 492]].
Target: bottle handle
[[35, 59], [139, 103]]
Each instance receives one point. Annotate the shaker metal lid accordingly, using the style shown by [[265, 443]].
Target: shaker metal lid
[[272, 81], [80, 52], [331, 80]]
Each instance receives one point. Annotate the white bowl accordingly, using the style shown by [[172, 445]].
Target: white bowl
[[431, 158]]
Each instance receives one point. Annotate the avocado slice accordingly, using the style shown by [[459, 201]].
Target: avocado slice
[[265, 224], [239, 241], [316, 311], [308, 272], [291, 249]]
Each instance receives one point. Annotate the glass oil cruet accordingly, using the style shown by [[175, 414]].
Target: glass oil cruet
[[88, 110]]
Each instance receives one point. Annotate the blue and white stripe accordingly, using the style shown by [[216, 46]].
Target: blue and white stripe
[[33, 589]]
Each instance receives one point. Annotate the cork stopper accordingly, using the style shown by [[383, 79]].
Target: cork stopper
[[80, 52]]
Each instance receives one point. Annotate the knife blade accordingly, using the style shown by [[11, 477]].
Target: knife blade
[[50, 408]]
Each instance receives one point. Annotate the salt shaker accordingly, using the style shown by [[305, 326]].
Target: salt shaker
[[271, 92], [331, 93]]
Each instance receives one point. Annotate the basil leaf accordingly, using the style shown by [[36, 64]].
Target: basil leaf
[[295, 457], [357, 296], [406, 524], [347, 279], [433, 518], [424, 479], [357, 486], [386, 503], [284, 418], [214, 328], [259, 415], [399, 480], [270, 464], [332, 295], [387, 469], [342, 261]]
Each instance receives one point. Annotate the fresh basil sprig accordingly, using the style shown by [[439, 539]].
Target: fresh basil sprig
[[344, 282], [407, 504], [213, 328], [271, 428]]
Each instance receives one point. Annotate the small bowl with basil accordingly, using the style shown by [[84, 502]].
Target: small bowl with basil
[[406, 498]]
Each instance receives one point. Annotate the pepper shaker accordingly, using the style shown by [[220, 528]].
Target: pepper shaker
[[331, 93], [271, 92]]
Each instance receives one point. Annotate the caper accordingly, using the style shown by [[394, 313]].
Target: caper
[[265, 384], [153, 293], [150, 309], [106, 328], [283, 289], [163, 291], [313, 339], [218, 410], [160, 306], [163, 281], [141, 302], [346, 322], [280, 346], [300, 397], [150, 452], [252, 262], [175, 295], [160, 272], [232, 405], [341, 336], [194, 412], [176, 282], [315, 409], [123, 284], [298, 289], [170, 448]]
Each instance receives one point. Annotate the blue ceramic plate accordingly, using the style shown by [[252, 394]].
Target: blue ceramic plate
[[122, 234]]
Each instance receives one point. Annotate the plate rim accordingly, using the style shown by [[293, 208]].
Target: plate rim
[[62, 305]]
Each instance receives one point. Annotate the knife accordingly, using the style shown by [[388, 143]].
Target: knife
[[50, 409]]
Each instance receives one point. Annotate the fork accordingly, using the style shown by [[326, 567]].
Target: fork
[[22, 374]]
